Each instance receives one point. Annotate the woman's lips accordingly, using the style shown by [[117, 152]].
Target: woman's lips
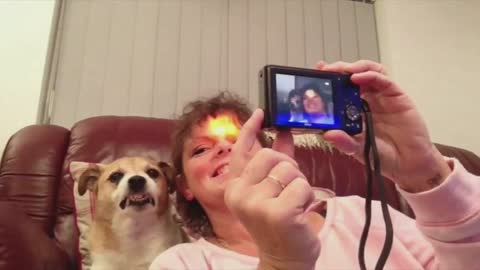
[[221, 170]]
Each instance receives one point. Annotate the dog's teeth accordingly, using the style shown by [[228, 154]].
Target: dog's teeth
[[123, 203]]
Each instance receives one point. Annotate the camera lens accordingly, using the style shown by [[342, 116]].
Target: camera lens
[[352, 112]]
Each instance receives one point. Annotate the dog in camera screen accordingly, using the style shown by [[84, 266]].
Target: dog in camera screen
[[304, 101]]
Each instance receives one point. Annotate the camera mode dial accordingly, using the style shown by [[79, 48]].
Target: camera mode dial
[[352, 112]]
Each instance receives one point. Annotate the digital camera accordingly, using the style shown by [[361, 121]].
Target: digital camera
[[309, 101]]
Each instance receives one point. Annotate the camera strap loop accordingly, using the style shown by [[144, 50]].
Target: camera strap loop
[[371, 152]]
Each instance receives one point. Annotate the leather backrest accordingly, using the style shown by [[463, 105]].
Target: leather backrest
[[340, 173], [102, 140], [30, 169], [34, 170]]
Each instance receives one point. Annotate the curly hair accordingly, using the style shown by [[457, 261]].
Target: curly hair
[[192, 214], [323, 96]]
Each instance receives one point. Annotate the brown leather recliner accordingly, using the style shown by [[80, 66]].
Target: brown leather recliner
[[36, 199]]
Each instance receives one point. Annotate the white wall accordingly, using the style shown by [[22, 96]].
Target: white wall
[[432, 49], [154, 56], [24, 35]]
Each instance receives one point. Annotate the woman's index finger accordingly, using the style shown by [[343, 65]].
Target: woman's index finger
[[248, 133]]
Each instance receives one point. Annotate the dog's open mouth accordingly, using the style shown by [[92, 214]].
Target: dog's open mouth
[[137, 200]]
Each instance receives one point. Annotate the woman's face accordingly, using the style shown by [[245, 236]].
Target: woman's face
[[312, 102], [206, 158]]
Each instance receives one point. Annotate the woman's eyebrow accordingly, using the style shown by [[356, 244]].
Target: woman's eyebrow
[[202, 138]]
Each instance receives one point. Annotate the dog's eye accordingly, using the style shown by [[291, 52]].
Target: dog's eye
[[153, 173], [115, 177]]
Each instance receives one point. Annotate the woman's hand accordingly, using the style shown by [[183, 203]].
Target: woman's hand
[[269, 195], [406, 152]]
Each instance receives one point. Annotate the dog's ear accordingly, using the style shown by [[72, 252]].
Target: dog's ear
[[169, 173], [86, 174]]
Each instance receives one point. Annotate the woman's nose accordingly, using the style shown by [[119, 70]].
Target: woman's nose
[[223, 148]]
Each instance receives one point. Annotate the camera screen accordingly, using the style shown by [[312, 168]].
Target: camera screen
[[304, 101]]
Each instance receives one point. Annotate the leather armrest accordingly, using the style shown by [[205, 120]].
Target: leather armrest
[[469, 160], [23, 243]]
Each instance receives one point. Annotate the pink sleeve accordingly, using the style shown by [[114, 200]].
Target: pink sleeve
[[448, 216]]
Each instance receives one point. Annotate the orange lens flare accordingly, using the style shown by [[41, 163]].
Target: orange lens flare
[[223, 126]]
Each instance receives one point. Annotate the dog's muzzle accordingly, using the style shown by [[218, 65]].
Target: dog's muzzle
[[137, 196]]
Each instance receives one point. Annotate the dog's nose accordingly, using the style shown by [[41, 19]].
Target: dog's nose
[[136, 183]]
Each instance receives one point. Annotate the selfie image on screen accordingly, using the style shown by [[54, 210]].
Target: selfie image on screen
[[304, 101]]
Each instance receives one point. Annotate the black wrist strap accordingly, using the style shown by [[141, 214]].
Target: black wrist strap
[[371, 152]]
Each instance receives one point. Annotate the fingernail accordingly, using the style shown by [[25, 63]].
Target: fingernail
[[259, 111], [321, 64]]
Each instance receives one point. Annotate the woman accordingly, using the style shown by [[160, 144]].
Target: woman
[[315, 106], [253, 207]]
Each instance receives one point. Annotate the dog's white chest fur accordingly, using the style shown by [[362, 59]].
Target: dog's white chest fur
[[140, 240]]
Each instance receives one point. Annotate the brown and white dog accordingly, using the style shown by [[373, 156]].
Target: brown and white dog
[[133, 221], [295, 105]]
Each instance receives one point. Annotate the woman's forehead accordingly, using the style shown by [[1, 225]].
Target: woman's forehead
[[214, 127], [198, 130]]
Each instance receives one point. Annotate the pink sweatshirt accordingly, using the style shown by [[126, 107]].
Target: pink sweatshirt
[[445, 235]]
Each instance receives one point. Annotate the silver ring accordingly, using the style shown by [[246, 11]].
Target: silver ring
[[276, 181], [350, 153]]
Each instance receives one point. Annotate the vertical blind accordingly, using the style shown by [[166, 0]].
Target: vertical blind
[[150, 57]]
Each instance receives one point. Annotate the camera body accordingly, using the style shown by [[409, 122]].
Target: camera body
[[309, 101]]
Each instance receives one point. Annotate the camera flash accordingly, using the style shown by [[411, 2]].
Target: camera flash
[[223, 126]]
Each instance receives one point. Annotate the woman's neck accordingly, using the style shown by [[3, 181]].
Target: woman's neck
[[231, 234]]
